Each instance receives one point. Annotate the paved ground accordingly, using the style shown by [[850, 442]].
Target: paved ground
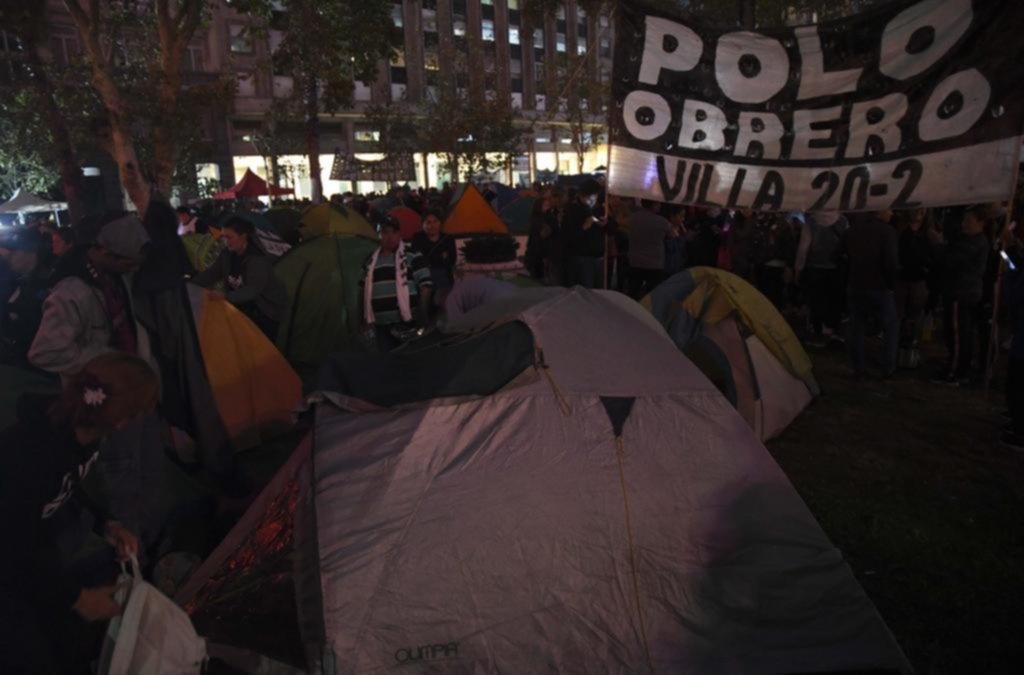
[[910, 482]]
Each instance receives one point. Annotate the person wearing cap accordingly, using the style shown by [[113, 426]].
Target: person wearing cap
[[22, 303], [90, 312], [186, 221], [396, 280]]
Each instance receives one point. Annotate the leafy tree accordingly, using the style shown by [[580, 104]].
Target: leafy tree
[[326, 46], [135, 50]]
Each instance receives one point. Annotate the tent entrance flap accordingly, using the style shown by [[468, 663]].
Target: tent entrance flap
[[478, 366]]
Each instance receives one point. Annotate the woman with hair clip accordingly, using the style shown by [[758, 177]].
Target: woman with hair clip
[[45, 457], [248, 277]]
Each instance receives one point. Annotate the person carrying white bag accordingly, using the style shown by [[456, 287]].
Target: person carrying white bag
[[153, 636], [43, 459]]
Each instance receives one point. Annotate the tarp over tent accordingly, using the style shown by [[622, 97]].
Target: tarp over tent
[[741, 342], [562, 511], [251, 186], [468, 213], [255, 389], [322, 276]]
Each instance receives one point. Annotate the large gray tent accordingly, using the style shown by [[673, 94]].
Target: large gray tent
[[590, 504]]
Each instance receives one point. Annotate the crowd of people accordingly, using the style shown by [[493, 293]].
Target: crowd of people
[[103, 309]]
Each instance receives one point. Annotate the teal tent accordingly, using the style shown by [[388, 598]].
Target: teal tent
[[516, 216]]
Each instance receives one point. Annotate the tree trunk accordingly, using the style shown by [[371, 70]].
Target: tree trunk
[[275, 172], [313, 139], [67, 160]]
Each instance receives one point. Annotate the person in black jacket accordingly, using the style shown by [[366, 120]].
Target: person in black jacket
[[21, 308], [583, 235], [54, 444], [248, 276], [915, 263], [438, 250], [964, 262]]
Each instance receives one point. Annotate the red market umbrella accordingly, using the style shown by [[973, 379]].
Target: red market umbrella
[[252, 185], [408, 219]]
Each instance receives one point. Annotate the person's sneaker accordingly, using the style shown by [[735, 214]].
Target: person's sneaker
[[1012, 441]]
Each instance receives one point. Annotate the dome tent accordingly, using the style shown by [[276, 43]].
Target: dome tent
[[527, 517], [468, 213], [254, 387], [322, 275], [741, 343]]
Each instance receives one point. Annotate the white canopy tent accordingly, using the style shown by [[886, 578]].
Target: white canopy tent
[[25, 202]]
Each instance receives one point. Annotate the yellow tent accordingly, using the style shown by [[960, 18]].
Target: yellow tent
[[334, 219], [469, 213], [255, 388], [740, 341]]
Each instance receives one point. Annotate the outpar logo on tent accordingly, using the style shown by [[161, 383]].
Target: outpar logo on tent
[[438, 652]]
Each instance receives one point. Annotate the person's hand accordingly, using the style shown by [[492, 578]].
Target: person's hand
[[97, 604], [216, 295], [124, 542]]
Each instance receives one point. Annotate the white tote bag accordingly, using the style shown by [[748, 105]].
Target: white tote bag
[[153, 636]]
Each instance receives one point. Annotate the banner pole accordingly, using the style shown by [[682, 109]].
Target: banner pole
[[992, 353], [607, 168]]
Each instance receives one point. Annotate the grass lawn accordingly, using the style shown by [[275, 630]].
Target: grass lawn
[[908, 479]]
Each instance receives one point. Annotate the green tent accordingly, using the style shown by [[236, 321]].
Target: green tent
[[202, 249], [322, 276], [516, 216]]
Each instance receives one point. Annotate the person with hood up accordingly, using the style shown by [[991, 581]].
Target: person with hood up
[[583, 235]]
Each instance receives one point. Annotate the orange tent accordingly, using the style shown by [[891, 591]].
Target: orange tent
[[471, 214]]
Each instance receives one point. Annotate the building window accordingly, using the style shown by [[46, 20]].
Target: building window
[[431, 61], [603, 21], [459, 27], [275, 38], [367, 136], [397, 92], [517, 100], [194, 60], [430, 4], [430, 21], [362, 92], [246, 84], [459, 7], [516, 51], [560, 42], [487, 30], [517, 85], [398, 58], [513, 4], [515, 67], [542, 140], [606, 48], [581, 48], [283, 86], [487, 2], [65, 47], [513, 35], [538, 38], [398, 75], [396, 15], [241, 41], [561, 12]]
